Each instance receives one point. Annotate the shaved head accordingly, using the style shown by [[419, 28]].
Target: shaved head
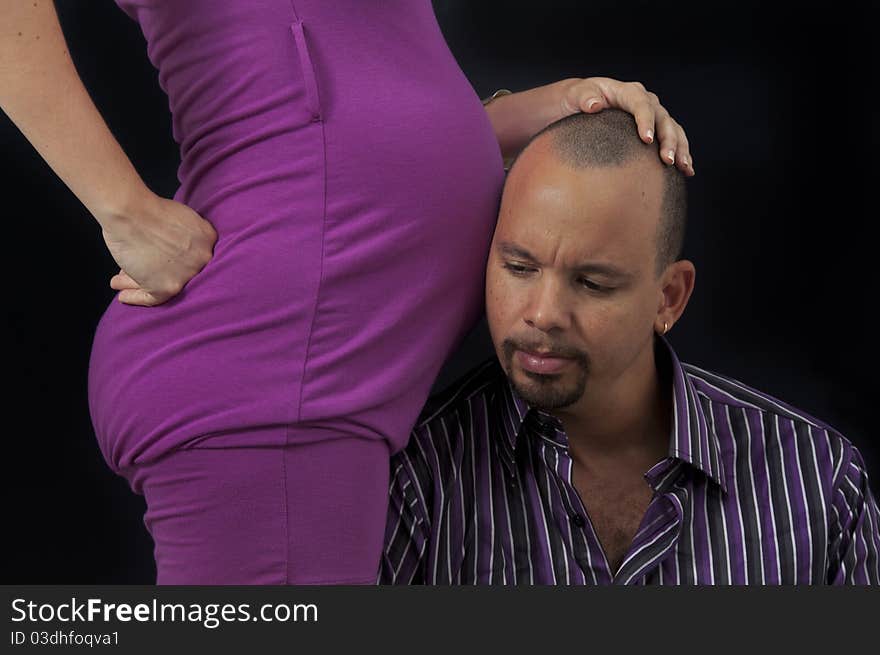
[[610, 139]]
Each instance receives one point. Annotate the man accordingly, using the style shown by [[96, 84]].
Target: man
[[586, 453]]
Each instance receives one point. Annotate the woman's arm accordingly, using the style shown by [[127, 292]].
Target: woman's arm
[[44, 97], [159, 244], [518, 116]]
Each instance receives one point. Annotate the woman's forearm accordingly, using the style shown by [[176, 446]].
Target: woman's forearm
[[44, 97], [518, 116]]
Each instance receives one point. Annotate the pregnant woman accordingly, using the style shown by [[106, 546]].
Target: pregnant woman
[[280, 322]]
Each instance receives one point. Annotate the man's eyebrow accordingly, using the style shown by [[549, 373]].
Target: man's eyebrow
[[605, 270], [592, 268], [512, 250]]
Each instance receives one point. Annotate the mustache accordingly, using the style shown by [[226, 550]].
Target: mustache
[[510, 345]]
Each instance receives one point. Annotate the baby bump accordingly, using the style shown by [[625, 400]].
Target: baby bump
[[410, 215]]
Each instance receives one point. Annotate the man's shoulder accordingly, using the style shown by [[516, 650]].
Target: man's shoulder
[[750, 414], [480, 382], [721, 389], [441, 427]]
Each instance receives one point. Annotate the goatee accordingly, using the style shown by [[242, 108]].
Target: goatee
[[547, 391]]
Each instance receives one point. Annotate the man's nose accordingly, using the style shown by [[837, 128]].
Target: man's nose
[[547, 306]]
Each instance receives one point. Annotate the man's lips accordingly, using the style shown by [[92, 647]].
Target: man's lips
[[541, 363]]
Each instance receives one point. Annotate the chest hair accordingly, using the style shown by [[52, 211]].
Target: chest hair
[[616, 507]]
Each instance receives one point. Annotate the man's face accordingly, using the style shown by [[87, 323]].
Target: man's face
[[571, 290]]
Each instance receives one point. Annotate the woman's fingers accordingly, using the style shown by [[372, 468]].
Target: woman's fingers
[[637, 101], [668, 134], [582, 95], [122, 280], [686, 160], [590, 98], [130, 292], [674, 147], [137, 297], [652, 120]]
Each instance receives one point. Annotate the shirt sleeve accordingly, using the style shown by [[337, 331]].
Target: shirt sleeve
[[407, 529], [855, 526]]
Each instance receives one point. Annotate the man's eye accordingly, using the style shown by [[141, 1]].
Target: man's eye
[[592, 286], [516, 269]]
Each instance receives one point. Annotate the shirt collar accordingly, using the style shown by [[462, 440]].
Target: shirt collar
[[692, 440]]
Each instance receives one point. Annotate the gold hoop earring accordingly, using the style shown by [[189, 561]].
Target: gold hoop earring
[[665, 327]]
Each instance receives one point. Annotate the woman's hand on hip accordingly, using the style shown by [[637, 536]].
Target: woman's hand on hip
[[159, 245], [593, 94]]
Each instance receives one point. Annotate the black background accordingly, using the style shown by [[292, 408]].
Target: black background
[[774, 99]]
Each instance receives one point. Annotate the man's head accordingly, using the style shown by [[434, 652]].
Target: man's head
[[584, 261]]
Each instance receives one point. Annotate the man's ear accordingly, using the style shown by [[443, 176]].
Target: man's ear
[[676, 287]]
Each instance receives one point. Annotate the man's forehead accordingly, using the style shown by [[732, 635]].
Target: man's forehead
[[552, 190], [607, 213]]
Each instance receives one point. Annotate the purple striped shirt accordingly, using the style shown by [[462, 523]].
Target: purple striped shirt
[[753, 491]]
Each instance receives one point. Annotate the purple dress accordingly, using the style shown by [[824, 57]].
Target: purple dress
[[353, 178]]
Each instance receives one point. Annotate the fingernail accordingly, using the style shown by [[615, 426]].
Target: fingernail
[[650, 135], [592, 103], [671, 156]]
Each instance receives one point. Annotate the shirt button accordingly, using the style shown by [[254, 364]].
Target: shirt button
[[578, 520]]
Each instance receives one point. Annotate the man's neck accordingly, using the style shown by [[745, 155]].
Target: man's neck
[[628, 421]]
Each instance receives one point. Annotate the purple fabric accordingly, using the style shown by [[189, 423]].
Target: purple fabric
[[310, 513], [353, 178]]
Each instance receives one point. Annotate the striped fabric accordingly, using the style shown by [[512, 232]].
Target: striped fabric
[[753, 492]]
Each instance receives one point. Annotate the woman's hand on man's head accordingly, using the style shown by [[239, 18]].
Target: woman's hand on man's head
[[593, 94]]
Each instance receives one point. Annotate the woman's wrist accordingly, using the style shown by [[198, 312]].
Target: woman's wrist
[[130, 205], [517, 117]]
